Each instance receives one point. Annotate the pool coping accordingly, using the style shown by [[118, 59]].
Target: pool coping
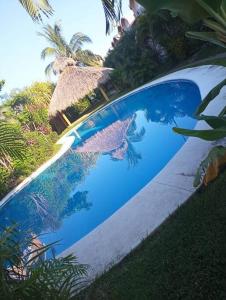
[[113, 239]]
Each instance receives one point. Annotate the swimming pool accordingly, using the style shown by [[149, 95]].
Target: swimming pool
[[116, 152]]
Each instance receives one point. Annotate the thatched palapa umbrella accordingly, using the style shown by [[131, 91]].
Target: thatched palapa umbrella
[[75, 83], [111, 139]]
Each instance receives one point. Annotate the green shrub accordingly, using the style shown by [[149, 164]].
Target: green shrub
[[39, 147], [82, 105], [151, 46], [28, 111], [4, 179]]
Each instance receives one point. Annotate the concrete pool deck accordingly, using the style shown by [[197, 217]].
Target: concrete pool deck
[[112, 240]]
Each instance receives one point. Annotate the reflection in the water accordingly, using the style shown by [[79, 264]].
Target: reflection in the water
[[76, 203], [49, 199], [116, 140], [92, 179]]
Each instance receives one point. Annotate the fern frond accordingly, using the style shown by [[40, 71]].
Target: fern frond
[[11, 142]]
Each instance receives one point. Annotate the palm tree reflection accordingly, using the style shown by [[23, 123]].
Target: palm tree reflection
[[116, 140]]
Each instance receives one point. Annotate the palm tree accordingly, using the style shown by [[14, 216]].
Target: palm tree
[[37, 8], [73, 49]]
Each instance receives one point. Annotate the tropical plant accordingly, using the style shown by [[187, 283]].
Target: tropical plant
[[216, 22], [60, 48], [37, 8], [190, 11], [27, 274], [152, 46], [213, 163], [11, 144], [26, 115], [112, 11], [2, 82], [217, 123]]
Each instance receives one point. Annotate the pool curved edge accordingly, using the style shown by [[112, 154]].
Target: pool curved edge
[[112, 240]]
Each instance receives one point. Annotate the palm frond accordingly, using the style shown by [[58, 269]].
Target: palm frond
[[48, 51], [136, 137], [36, 8], [37, 277], [63, 45], [53, 35], [11, 143], [78, 39], [112, 11], [60, 47], [49, 69]]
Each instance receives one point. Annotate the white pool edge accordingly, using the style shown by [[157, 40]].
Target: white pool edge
[[112, 240]]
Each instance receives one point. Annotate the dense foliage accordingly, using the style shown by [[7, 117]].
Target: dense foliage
[[26, 111], [151, 46], [26, 275]]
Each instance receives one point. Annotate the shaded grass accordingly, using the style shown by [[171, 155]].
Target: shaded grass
[[184, 259]]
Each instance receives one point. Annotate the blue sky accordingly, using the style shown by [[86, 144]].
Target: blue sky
[[20, 49]]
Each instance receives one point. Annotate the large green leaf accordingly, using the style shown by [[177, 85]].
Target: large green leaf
[[213, 10], [190, 11], [210, 37], [223, 112], [208, 135], [223, 8], [213, 121], [215, 26], [211, 95]]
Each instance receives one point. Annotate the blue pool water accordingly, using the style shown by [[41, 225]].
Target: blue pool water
[[118, 151]]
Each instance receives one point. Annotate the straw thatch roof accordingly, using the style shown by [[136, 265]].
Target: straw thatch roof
[[111, 139], [75, 83], [61, 63]]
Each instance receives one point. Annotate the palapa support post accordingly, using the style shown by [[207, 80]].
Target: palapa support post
[[65, 118], [104, 94]]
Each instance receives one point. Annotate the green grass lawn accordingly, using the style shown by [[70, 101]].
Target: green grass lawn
[[184, 259]]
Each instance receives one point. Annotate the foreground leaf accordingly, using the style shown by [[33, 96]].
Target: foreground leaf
[[211, 95], [210, 37], [213, 121], [190, 11], [208, 135]]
